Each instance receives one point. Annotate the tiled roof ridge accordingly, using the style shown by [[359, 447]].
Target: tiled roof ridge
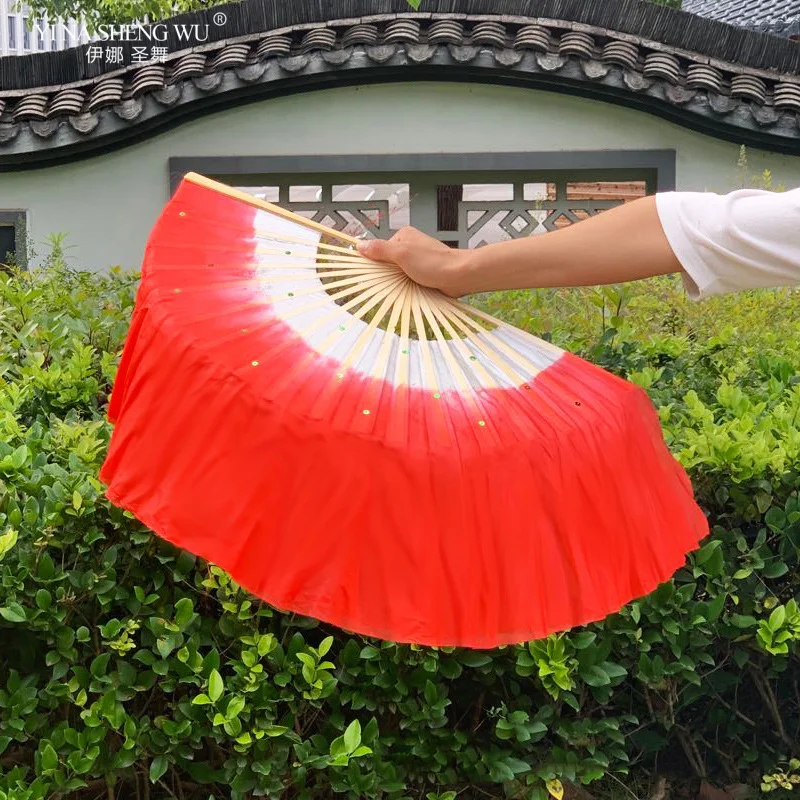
[[764, 15], [743, 104], [668, 26]]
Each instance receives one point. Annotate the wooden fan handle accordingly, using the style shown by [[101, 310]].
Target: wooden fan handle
[[250, 199]]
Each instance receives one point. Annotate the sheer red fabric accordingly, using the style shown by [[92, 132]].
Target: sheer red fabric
[[453, 520]]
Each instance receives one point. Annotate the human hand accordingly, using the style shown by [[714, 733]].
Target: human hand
[[424, 259]]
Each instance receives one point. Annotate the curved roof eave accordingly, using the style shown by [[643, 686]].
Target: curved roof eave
[[749, 105]]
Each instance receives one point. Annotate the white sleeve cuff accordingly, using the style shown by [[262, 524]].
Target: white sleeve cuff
[[672, 207], [747, 239]]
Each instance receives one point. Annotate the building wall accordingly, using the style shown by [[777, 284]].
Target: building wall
[[107, 205], [18, 38]]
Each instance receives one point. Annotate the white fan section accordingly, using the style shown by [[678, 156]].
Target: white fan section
[[287, 254]]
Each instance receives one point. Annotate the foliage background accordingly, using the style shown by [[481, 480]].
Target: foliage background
[[130, 670]]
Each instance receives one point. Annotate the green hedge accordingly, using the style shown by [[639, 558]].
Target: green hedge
[[130, 670]]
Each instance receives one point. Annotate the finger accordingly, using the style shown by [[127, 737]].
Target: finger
[[376, 249]]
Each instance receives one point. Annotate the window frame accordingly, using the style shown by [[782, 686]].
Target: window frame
[[423, 171], [18, 219]]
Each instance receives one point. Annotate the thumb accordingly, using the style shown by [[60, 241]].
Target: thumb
[[376, 249]]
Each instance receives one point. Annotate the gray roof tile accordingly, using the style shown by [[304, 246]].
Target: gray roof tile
[[775, 16], [752, 98]]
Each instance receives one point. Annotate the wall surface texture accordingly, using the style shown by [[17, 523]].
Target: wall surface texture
[[107, 204]]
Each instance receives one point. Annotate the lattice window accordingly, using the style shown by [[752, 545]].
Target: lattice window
[[490, 213], [459, 212], [372, 209]]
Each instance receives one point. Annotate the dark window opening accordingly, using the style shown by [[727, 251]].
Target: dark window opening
[[8, 244], [447, 199]]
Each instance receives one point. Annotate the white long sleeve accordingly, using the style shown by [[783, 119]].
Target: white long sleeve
[[748, 239]]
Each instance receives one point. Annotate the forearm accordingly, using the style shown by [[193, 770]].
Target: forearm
[[622, 244]]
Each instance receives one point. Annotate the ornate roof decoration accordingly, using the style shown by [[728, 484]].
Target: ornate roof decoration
[[672, 67], [781, 18]]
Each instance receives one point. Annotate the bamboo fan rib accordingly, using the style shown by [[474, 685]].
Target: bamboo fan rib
[[457, 350], [361, 449]]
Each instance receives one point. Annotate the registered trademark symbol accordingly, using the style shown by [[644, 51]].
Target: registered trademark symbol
[[219, 18]]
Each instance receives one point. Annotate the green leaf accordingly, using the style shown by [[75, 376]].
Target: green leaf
[[307, 660], [670, 626], [215, 686], [99, 665], [776, 569], [517, 766], [77, 500], [338, 747], [775, 518], [613, 670], [201, 700], [581, 640], [475, 659], [30, 511], [235, 706], [49, 758], [594, 676], [158, 766], [7, 541], [705, 553], [431, 694], [19, 457], [352, 736], [265, 644], [13, 612], [183, 611], [763, 501], [164, 647], [47, 569], [777, 618], [715, 564], [571, 701], [325, 646], [414, 3], [536, 728]]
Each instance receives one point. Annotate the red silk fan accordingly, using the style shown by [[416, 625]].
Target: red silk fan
[[359, 449]]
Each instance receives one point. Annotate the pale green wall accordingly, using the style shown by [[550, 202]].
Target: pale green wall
[[106, 205]]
